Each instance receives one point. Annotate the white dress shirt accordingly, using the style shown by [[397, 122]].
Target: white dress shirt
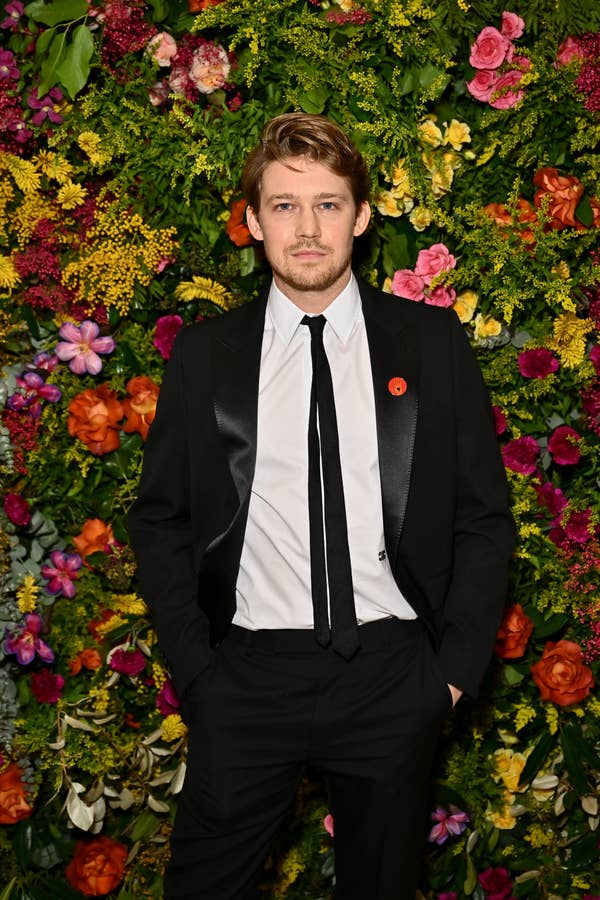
[[274, 583]]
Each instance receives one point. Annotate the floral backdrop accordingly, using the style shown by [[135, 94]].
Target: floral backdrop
[[123, 127]]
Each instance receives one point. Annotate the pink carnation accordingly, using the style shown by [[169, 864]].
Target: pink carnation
[[537, 363], [490, 49], [595, 358], [578, 526], [499, 420], [127, 661], [433, 261], [521, 455], [46, 687], [162, 47], [563, 446], [407, 284], [166, 332], [483, 85], [167, 701], [496, 883], [552, 498], [210, 68], [16, 508]]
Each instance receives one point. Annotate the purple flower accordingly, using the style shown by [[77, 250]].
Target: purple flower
[[25, 641], [45, 106], [7, 66], [167, 700], [521, 455], [81, 347], [33, 390], [447, 824], [14, 11], [62, 573], [45, 361], [128, 661]]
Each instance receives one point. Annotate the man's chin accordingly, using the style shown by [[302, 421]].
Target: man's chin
[[310, 278]]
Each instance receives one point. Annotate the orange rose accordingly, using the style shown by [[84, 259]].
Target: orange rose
[[195, 6], [525, 214], [94, 419], [140, 406], [236, 227], [97, 866], [565, 192], [13, 796], [514, 632], [561, 674], [95, 537], [85, 659]]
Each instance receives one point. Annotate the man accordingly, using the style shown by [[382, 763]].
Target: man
[[326, 576]]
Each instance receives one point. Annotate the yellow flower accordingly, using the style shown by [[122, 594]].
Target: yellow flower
[[27, 594], [456, 134], [90, 143], [71, 195], [503, 820], [569, 338], [23, 171], [400, 179], [465, 305], [388, 205], [200, 288], [442, 174], [486, 326], [9, 277], [103, 628], [159, 674], [173, 728], [129, 605], [54, 166], [420, 218], [429, 133], [509, 765]]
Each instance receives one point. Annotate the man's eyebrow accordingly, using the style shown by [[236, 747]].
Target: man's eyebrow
[[324, 195]]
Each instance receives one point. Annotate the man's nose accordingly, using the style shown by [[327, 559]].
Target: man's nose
[[307, 224]]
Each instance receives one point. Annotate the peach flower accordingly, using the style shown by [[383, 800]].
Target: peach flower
[[514, 632], [13, 797], [140, 405], [97, 867], [210, 68], [95, 537], [561, 674], [236, 227], [94, 418], [564, 193]]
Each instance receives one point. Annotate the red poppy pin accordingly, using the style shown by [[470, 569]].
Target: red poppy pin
[[397, 386]]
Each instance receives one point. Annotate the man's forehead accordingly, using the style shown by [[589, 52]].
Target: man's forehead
[[297, 175]]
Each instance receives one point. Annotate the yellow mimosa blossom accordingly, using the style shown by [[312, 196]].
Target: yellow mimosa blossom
[[486, 326], [173, 728], [71, 195], [465, 305], [509, 765], [100, 696], [569, 338], [552, 719], [200, 288], [159, 673], [9, 277], [27, 594], [456, 134], [289, 869], [54, 166], [524, 715], [388, 205], [539, 837], [420, 218], [562, 270], [429, 133]]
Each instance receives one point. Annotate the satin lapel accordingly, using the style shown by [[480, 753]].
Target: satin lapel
[[236, 366], [393, 350]]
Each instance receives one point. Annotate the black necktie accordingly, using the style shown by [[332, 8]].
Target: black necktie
[[329, 552]]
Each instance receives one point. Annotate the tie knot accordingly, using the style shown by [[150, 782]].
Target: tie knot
[[316, 324]]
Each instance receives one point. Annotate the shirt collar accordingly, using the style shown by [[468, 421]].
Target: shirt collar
[[341, 314]]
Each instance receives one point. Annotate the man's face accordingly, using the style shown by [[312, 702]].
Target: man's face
[[308, 222]]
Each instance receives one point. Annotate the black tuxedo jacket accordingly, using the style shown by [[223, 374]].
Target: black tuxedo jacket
[[448, 529]]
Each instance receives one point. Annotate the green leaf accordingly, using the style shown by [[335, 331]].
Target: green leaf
[[74, 70], [8, 890], [471, 879], [584, 211], [48, 71], [59, 11], [573, 764], [247, 260], [313, 101], [44, 41], [159, 10], [512, 675], [146, 825], [536, 758]]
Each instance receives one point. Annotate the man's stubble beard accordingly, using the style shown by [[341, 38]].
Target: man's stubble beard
[[306, 279]]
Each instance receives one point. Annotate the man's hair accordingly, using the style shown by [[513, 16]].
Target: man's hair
[[315, 138]]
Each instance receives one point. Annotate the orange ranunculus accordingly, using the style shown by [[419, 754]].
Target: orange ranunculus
[[85, 659], [565, 192], [195, 6], [13, 796], [561, 674], [140, 405], [95, 537], [97, 866], [514, 632], [236, 227], [94, 418]]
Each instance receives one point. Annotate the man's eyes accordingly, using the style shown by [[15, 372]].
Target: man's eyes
[[326, 205]]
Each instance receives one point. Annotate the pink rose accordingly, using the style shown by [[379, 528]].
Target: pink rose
[[158, 93], [490, 49], [521, 455], [441, 296], [210, 68], [162, 47], [433, 261], [512, 26], [16, 508], [569, 50], [537, 363], [483, 85], [499, 420], [407, 284], [502, 96], [166, 331], [563, 446]]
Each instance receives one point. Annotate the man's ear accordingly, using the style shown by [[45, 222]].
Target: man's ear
[[363, 217], [253, 224]]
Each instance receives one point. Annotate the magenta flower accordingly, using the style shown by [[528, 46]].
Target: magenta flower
[[447, 824], [537, 363], [25, 641], [450, 895], [16, 508], [521, 455], [166, 331], [81, 346], [595, 358], [552, 498], [128, 661], [167, 701], [13, 12], [46, 687], [8, 69], [499, 420], [46, 106], [496, 883], [578, 526], [563, 446], [328, 824], [47, 362], [62, 573], [33, 389]]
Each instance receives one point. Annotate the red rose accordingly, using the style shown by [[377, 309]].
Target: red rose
[[514, 632], [561, 674], [496, 883], [97, 867]]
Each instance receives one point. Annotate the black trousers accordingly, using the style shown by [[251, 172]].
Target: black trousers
[[273, 702]]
